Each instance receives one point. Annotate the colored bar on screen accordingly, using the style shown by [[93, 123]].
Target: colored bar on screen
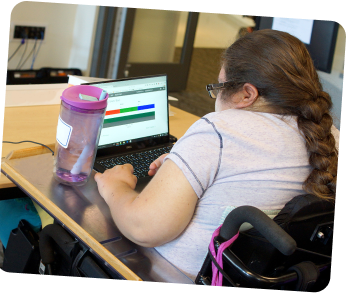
[[149, 106], [129, 119], [130, 109], [110, 112]]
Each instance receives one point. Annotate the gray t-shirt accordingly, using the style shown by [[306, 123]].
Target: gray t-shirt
[[233, 158]]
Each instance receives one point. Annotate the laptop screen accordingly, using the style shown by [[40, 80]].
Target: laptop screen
[[137, 110]]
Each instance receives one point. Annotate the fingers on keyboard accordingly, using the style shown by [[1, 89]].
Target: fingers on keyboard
[[140, 161]]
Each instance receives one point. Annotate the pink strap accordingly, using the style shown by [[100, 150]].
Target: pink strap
[[217, 280]]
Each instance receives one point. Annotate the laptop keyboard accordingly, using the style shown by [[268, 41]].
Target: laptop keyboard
[[140, 161]]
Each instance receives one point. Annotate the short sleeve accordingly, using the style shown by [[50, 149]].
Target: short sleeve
[[198, 155]]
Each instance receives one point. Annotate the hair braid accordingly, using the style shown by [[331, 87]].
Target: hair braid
[[282, 70], [315, 124]]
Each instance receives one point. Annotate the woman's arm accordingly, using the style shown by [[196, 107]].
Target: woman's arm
[[156, 164], [159, 213]]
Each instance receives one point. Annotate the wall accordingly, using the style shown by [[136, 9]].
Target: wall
[[68, 37], [333, 82], [70, 33], [213, 30], [219, 30], [83, 38], [154, 36]]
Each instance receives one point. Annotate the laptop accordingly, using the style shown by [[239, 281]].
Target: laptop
[[135, 129]]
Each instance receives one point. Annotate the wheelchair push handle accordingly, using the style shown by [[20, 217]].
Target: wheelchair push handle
[[261, 222]]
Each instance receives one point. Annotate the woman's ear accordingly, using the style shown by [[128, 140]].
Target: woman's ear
[[246, 96]]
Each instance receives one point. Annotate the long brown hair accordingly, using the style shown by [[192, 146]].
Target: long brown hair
[[282, 70]]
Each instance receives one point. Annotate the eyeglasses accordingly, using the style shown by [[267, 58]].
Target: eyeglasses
[[213, 89]]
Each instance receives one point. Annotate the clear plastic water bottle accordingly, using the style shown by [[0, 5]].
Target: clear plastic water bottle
[[80, 121]]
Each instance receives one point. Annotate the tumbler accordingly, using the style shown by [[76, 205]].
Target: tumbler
[[81, 116]]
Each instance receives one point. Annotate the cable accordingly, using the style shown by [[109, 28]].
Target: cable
[[35, 54], [14, 53], [25, 49], [29, 142], [32, 50]]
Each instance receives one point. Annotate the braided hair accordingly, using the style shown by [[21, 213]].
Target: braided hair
[[280, 67]]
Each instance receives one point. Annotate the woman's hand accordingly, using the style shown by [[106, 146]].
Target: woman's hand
[[159, 213], [156, 164], [117, 179]]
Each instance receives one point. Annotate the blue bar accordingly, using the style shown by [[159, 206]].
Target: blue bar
[[149, 106]]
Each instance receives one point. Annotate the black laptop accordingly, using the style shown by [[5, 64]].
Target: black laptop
[[136, 125]]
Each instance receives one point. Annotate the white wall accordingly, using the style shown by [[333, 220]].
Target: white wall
[[154, 36], [219, 30], [83, 38], [213, 30], [68, 36]]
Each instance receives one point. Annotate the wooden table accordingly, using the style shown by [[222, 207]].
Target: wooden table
[[39, 124], [81, 210]]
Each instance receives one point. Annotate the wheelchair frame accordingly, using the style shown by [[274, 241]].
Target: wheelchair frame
[[303, 268]]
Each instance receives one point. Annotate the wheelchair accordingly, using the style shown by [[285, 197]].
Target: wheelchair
[[290, 252], [52, 251]]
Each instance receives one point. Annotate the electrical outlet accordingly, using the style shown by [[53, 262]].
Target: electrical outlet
[[28, 32]]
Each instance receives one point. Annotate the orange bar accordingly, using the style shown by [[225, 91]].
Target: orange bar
[[112, 111]]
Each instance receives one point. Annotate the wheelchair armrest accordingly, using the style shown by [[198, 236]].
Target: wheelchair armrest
[[55, 234], [261, 222]]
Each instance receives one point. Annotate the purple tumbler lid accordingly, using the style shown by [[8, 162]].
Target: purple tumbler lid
[[71, 97]]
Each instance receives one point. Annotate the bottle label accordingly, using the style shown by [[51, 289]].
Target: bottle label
[[63, 133]]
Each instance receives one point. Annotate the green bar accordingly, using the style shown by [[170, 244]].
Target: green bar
[[114, 119], [129, 109]]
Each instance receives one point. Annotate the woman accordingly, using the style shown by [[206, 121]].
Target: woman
[[269, 140]]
